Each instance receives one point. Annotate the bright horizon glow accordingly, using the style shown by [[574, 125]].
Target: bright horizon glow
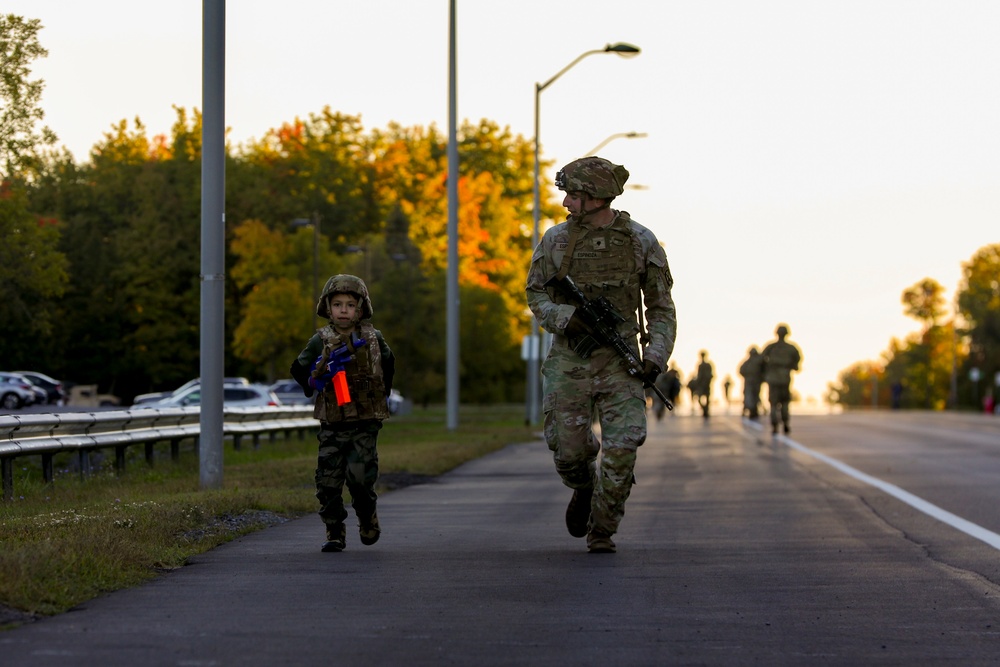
[[805, 162]]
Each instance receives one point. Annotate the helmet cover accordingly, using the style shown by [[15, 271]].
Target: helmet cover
[[596, 176], [343, 283]]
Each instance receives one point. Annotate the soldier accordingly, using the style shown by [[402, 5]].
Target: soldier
[[669, 384], [703, 382], [349, 428], [780, 359], [607, 254], [752, 370]]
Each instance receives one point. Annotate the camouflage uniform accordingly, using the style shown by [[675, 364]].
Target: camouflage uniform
[[703, 383], [348, 434], [780, 359], [624, 262], [752, 370]]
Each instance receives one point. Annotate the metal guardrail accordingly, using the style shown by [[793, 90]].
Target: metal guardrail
[[46, 435]]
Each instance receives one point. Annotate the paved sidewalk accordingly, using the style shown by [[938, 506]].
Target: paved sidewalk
[[729, 554]]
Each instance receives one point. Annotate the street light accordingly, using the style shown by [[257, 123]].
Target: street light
[[314, 223], [620, 135], [626, 51]]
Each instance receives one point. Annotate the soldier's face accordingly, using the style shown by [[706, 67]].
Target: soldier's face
[[579, 203], [343, 309]]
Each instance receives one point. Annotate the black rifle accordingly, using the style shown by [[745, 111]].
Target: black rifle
[[602, 319]]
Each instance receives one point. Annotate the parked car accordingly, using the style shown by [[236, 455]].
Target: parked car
[[395, 401], [16, 391], [55, 393], [160, 395], [233, 396], [290, 393]]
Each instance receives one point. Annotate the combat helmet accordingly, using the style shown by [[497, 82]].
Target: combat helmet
[[344, 283], [782, 330], [596, 176]]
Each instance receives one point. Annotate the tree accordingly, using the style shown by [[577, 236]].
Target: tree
[[32, 274], [979, 306], [924, 301], [20, 112], [857, 385], [273, 271]]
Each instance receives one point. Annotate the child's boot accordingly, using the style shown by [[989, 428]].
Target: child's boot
[[336, 537], [369, 529]]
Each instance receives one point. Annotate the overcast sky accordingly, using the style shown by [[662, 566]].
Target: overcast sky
[[806, 161]]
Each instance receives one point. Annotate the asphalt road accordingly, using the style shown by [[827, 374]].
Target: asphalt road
[[737, 549]]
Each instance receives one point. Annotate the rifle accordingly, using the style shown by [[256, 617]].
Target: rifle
[[603, 320], [332, 367]]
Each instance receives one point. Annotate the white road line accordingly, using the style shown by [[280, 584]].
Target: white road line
[[931, 510]]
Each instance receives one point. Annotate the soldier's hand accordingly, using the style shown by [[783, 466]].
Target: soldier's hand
[[576, 327], [650, 372]]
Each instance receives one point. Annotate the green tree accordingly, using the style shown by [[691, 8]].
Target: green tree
[[924, 301], [858, 384], [20, 97], [273, 271], [979, 306], [32, 274]]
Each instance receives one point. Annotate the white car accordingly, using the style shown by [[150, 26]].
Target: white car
[[16, 392], [290, 393], [160, 395], [233, 396], [395, 401]]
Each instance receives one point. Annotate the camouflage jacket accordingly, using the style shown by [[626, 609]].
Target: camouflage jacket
[[780, 359], [622, 261]]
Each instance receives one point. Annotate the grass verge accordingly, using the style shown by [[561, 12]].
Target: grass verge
[[67, 542]]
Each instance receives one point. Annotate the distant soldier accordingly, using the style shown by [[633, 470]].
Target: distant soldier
[[670, 385], [673, 384], [752, 370], [727, 384], [780, 359], [703, 383]]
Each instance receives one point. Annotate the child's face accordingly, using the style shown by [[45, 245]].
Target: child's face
[[343, 308]]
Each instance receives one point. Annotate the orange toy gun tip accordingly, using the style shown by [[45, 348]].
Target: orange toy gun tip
[[340, 388]]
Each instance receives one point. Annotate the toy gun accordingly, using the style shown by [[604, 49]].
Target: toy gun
[[602, 319], [331, 367]]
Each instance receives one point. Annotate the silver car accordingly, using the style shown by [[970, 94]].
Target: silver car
[[290, 393], [16, 392], [233, 396], [160, 395]]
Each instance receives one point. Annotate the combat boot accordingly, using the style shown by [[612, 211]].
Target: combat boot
[[599, 542], [369, 529], [336, 537], [578, 512]]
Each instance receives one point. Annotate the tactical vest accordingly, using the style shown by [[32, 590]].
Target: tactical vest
[[364, 380], [781, 358], [604, 264]]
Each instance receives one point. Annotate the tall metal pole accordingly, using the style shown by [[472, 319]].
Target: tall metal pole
[[533, 347], [315, 225], [213, 237], [452, 339]]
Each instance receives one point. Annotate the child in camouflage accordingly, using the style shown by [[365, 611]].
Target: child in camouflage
[[350, 365]]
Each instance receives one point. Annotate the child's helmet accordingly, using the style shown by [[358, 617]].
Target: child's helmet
[[344, 283]]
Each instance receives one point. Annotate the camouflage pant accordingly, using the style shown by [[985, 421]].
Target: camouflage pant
[[347, 455], [575, 391], [778, 395]]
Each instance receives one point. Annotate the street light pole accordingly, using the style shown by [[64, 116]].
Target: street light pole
[[314, 223], [619, 135], [534, 345]]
